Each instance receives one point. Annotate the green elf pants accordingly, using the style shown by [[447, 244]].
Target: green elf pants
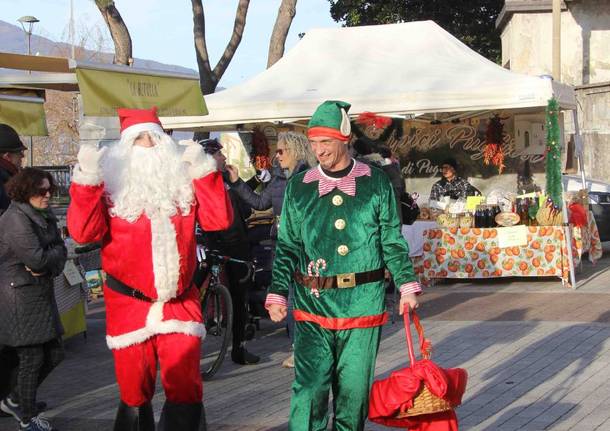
[[343, 360]]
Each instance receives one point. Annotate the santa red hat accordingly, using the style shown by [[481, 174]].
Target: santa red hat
[[135, 121]]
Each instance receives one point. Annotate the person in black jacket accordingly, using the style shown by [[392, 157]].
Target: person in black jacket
[[32, 253], [294, 155], [233, 242], [11, 157]]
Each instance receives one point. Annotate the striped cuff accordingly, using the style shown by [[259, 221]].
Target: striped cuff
[[272, 298], [411, 287]]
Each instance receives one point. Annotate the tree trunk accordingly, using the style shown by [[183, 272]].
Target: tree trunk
[[286, 13], [208, 78], [118, 31]]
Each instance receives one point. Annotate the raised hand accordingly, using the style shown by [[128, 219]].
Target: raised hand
[[89, 157], [233, 173]]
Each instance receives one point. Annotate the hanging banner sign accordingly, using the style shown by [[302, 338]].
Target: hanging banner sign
[[104, 91], [25, 115], [422, 147]]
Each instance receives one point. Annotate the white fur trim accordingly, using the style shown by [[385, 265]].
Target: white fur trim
[[346, 127], [155, 325], [86, 178], [141, 127], [202, 166], [165, 256]]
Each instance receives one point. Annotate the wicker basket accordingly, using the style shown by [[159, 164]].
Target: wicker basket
[[425, 402]]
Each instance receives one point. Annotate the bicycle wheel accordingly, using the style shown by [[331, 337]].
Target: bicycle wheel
[[217, 310]]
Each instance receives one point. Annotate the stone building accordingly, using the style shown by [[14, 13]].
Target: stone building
[[526, 32]]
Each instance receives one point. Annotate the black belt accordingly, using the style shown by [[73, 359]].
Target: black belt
[[120, 287], [340, 281]]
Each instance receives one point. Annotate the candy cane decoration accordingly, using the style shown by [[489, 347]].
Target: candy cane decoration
[[315, 266]]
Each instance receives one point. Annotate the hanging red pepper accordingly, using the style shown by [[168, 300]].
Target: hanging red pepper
[[493, 152]]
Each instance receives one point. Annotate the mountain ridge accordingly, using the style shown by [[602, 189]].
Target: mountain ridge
[[12, 39]]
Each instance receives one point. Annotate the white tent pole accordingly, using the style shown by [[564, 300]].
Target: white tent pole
[[579, 148], [568, 239]]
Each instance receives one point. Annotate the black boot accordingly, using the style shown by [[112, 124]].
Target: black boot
[[241, 356], [134, 418], [183, 417], [146, 417]]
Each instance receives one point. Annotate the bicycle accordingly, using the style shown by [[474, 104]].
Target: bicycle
[[216, 304]]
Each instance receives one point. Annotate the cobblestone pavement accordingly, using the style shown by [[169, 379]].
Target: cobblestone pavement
[[537, 356]]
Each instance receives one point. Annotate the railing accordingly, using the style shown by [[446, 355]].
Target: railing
[[62, 175]]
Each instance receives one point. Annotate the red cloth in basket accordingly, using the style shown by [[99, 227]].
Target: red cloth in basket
[[395, 394]]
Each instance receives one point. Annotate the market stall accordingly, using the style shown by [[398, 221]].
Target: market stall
[[439, 98]]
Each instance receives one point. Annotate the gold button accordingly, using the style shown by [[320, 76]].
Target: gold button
[[337, 200], [342, 250], [340, 224]]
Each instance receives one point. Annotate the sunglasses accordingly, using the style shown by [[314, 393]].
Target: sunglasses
[[280, 151], [42, 191]]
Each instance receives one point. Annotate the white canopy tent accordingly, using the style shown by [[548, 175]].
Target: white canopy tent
[[403, 70], [412, 68]]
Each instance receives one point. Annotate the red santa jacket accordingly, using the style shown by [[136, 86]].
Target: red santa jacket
[[155, 256]]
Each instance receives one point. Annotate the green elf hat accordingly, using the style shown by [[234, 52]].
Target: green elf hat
[[330, 120]]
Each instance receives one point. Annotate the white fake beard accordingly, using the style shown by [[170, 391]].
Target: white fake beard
[[152, 180]]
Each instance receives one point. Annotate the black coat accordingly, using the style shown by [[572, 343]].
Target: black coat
[[4, 199], [271, 197], [232, 241], [28, 311]]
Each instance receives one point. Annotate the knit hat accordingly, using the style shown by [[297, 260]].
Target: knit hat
[[135, 121], [210, 146], [9, 140], [330, 120]]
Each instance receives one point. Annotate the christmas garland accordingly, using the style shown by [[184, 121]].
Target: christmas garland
[[553, 156], [493, 152]]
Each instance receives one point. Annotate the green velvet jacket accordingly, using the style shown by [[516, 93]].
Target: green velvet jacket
[[351, 234]]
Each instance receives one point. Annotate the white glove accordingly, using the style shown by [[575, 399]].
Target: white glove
[[89, 157], [264, 176], [199, 163]]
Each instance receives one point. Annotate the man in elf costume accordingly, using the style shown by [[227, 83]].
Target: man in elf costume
[[339, 230], [141, 197]]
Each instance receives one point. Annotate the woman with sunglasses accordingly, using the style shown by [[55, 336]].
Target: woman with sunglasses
[[293, 155], [32, 253]]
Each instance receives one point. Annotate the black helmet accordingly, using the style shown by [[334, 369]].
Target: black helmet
[[9, 140]]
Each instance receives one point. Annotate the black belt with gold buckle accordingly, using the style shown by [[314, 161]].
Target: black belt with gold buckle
[[340, 281]]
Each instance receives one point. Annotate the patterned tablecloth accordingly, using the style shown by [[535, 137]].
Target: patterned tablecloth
[[475, 253]]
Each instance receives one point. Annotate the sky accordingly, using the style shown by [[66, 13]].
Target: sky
[[162, 30]]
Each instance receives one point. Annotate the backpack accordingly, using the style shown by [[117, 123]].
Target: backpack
[[409, 208]]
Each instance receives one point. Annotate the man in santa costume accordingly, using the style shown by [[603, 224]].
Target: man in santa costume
[[339, 230], [141, 198]]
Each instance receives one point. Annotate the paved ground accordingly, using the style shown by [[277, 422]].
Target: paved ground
[[537, 355]]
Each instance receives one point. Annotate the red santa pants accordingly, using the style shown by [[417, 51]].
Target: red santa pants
[[178, 356]]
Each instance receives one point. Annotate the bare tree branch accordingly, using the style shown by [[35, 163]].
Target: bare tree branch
[[238, 30], [207, 80], [277, 43], [118, 31]]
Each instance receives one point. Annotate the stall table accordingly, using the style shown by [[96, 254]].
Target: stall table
[[414, 234], [475, 253]]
